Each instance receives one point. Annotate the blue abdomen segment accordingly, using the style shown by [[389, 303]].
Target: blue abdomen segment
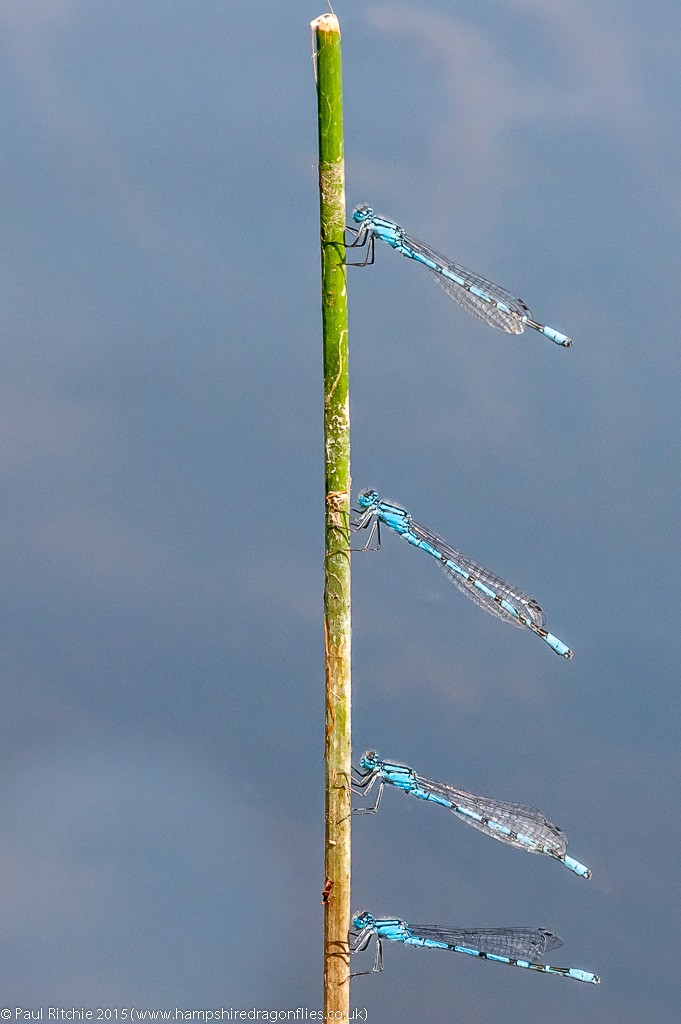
[[558, 646]]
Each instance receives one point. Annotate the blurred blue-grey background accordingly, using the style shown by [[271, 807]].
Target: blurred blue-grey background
[[161, 781]]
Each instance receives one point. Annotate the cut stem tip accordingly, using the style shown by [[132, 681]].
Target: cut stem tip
[[325, 23]]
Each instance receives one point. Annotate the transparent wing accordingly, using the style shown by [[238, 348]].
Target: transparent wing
[[516, 943], [472, 572], [486, 311], [519, 818]]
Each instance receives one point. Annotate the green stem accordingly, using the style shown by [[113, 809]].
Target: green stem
[[337, 627]]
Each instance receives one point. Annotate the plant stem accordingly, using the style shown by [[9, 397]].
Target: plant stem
[[337, 628]]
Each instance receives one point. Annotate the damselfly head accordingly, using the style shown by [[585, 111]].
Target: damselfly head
[[362, 213], [362, 920], [368, 498], [369, 759]]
